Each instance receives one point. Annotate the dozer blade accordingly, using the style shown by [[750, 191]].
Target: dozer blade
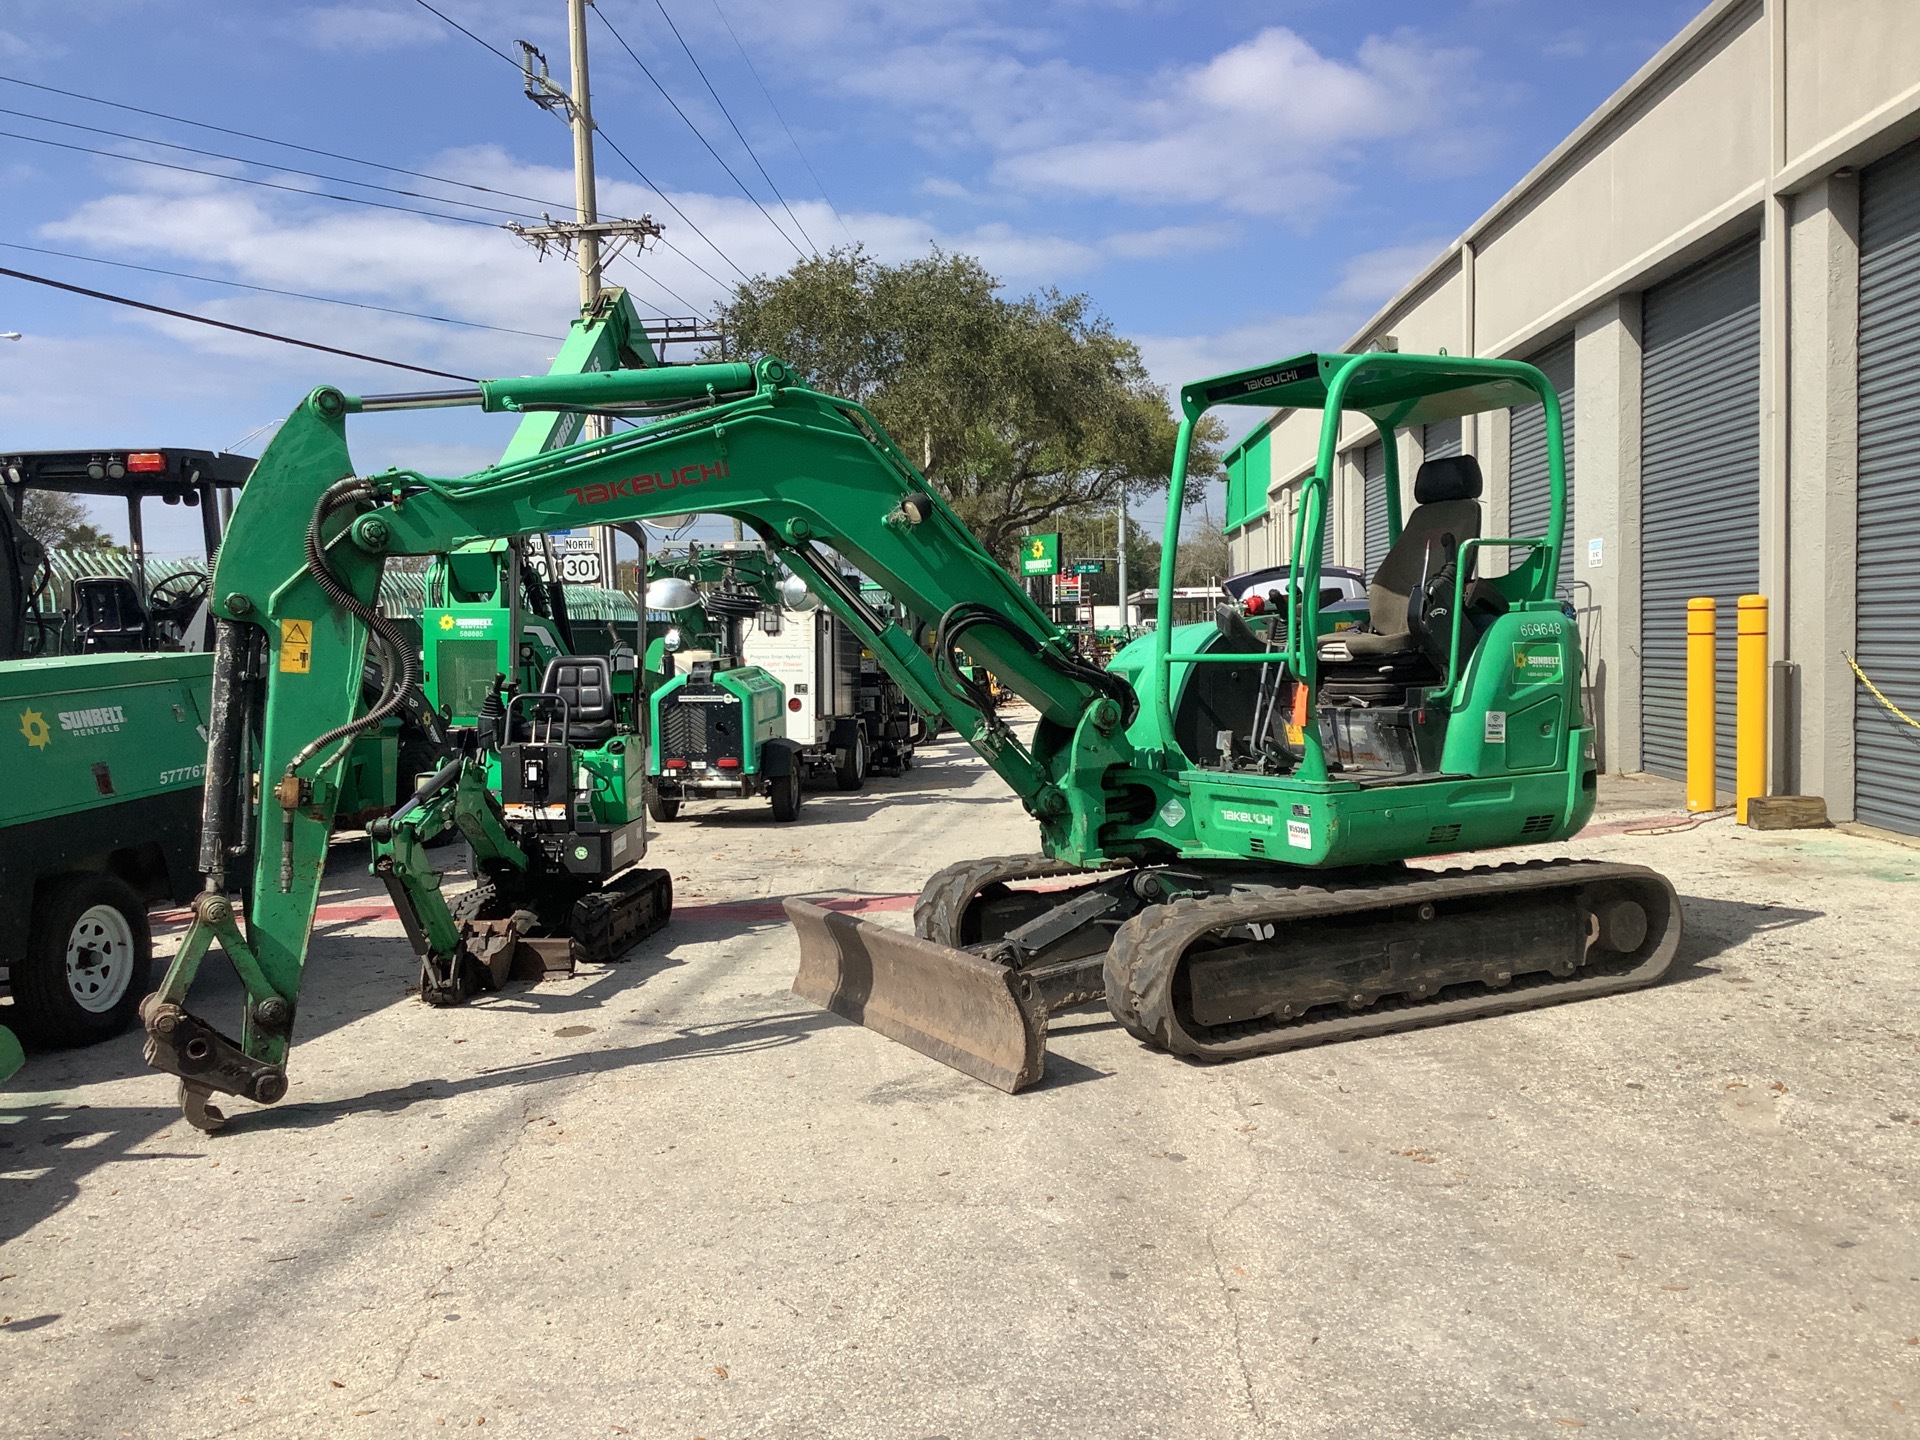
[[950, 1005]]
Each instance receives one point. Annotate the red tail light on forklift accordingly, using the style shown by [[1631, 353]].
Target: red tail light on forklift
[[794, 704], [727, 762], [676, 764], [146, 462]]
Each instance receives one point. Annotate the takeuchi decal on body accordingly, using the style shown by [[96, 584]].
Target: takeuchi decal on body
[[636, 485]]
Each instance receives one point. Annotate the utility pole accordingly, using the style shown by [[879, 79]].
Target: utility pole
[[1121, 551], [583, 237], [580, 115]]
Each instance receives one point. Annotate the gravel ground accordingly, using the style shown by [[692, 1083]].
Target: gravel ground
[[666, 1199]]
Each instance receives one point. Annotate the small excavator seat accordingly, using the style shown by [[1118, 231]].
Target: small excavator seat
[[585, 682], [1446, 505]]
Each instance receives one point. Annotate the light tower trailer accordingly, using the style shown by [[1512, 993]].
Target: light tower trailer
[[817, 660]]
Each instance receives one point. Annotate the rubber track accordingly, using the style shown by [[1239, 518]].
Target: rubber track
[[598, 937], [1147, 951], [944, 899]]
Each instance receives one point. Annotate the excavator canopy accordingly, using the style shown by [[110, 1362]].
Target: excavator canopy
[[1393, 389]]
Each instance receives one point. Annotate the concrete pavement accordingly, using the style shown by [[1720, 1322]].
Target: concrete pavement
[[667, 1199]]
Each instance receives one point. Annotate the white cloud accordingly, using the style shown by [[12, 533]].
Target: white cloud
[[477, 273], [367, 28], [1171, 241], [1372, 278], [1268, 126], [1366, 282], [1265, 128]]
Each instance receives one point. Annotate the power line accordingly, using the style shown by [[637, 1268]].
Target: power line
[[668, 199], [224, 325], [667, 96], [468, 33], [691, 261], [654, 279], [248, 180], [820, 184], [270, 290], [263, 164], [645, 179], [286, 144], [745, 143]]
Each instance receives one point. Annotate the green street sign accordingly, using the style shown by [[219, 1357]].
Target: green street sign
[[1089, 567], [1040, 555]]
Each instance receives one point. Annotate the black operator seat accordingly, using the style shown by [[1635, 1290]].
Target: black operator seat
[[585, 682], [109, 615], [1446, 497]]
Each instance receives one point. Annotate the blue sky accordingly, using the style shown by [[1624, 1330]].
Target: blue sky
[[1231, 182]]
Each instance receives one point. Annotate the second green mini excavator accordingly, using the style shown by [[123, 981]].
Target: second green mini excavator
[[1226, 813]]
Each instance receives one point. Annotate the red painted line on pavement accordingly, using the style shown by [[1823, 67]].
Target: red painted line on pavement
[[757, 909]]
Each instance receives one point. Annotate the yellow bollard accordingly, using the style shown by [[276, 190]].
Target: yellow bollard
[[1750, 704], [1701, 616]]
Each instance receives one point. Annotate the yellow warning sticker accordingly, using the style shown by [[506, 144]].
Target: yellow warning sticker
[[296, 646]]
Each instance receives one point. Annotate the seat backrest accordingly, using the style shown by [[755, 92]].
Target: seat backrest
[[108, 612], [1446, 497], [585, 682]]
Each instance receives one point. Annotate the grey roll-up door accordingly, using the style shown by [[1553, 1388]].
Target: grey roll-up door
[[1373, 473], [1328, 519], [1529, 495], [1440, 439], [1886, 786], [1699, 488]]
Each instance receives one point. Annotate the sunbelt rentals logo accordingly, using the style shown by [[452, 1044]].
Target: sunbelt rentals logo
[[33, 725], [94, 720]]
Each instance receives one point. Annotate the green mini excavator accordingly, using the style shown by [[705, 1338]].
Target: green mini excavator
[[1236, 819]]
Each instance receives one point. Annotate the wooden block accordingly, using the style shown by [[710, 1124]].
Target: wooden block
[[1786, 812]]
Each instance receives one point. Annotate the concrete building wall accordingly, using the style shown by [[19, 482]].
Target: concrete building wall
[[1751, 122]]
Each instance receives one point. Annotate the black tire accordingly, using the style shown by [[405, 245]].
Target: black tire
[[101, 920], [787, 794], [665, 809], [850, 764]]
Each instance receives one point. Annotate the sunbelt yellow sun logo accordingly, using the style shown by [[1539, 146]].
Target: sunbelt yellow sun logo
[[446, 622], [34, 726]]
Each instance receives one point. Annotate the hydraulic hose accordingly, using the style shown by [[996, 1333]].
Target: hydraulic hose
[[399, 673], [964, 617]]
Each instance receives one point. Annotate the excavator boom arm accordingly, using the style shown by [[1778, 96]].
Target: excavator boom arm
[[296, 579]]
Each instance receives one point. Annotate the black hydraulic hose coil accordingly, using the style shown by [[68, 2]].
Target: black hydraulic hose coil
[[964, 617], [399, 673]]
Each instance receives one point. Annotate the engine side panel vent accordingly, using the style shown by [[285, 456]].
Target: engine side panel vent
[[1443, 834]]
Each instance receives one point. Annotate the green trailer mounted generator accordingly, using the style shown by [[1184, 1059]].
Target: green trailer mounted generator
[[721, 733]]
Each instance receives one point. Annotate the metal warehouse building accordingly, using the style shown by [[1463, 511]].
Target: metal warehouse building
[[1720, 271]]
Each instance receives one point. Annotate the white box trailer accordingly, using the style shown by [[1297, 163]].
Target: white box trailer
[[817, 659]]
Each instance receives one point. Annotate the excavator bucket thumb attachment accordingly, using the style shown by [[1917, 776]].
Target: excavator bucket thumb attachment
[[12, 1057], [955, 1007]]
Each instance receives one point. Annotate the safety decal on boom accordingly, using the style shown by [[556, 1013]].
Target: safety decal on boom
[[296, 647]]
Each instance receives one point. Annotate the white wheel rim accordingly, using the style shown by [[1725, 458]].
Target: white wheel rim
[[99, 958]]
